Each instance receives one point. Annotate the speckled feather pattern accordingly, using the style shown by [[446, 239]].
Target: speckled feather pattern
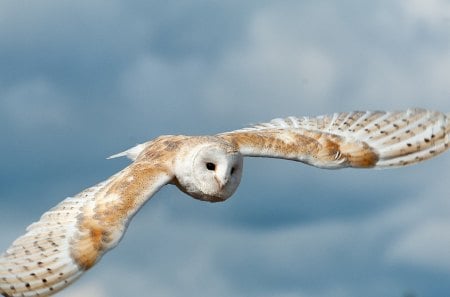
[[372, 139], [39, 262], [71, 237]]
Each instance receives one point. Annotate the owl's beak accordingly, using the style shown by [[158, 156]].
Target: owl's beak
[[222, 182]]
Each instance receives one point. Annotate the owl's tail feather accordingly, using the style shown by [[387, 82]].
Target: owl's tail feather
[[131, 153]]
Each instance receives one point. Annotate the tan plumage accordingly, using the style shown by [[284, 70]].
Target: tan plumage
[[70, 238], [354, 139]]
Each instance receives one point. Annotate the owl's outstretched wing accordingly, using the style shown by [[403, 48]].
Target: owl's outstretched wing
[[71, 237], [354, 139]]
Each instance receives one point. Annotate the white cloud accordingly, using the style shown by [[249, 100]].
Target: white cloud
[[432, 12], [300, 58], [424, 245], [149, 80], [438, 72], [84, 289], [34, 104], [421, 227], [424, 82], [271, 66]]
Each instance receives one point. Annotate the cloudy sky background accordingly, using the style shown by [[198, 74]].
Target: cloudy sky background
[[81, 80]]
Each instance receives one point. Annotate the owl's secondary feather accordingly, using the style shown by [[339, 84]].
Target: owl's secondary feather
[[354, 139]]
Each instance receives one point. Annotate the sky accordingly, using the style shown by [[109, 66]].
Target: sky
[[82, 80]]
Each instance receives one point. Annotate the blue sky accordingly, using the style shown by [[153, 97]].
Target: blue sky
[[82, 80]]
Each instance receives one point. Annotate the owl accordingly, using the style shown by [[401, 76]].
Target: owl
[[73, 236]]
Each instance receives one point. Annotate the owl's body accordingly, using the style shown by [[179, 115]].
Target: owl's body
[[70, 238]]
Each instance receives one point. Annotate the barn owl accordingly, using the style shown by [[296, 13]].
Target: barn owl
[[71, 237]]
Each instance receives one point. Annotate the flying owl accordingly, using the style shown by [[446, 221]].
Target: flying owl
[[72, 237]]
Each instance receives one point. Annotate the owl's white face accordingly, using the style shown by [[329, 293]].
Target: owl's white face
[[212, 172]]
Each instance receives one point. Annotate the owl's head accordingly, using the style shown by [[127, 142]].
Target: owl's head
[[210, 170]]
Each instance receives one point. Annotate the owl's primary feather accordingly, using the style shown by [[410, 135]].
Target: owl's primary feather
[[70, 238], [40, 262]]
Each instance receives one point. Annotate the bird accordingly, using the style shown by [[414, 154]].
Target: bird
[[74, 235]]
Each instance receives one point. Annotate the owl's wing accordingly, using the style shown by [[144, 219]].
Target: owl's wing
[[71, 237], [361, 139]]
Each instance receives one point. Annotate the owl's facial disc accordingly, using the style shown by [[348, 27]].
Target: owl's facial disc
[[217, 172], [211, 172], [223, 171]]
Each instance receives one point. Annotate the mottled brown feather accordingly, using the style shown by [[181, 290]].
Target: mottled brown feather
[[354, 139], [120, 199], [315, 148]]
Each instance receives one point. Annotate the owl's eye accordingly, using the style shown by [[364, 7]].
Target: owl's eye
[[210, 166], [232, 170]]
